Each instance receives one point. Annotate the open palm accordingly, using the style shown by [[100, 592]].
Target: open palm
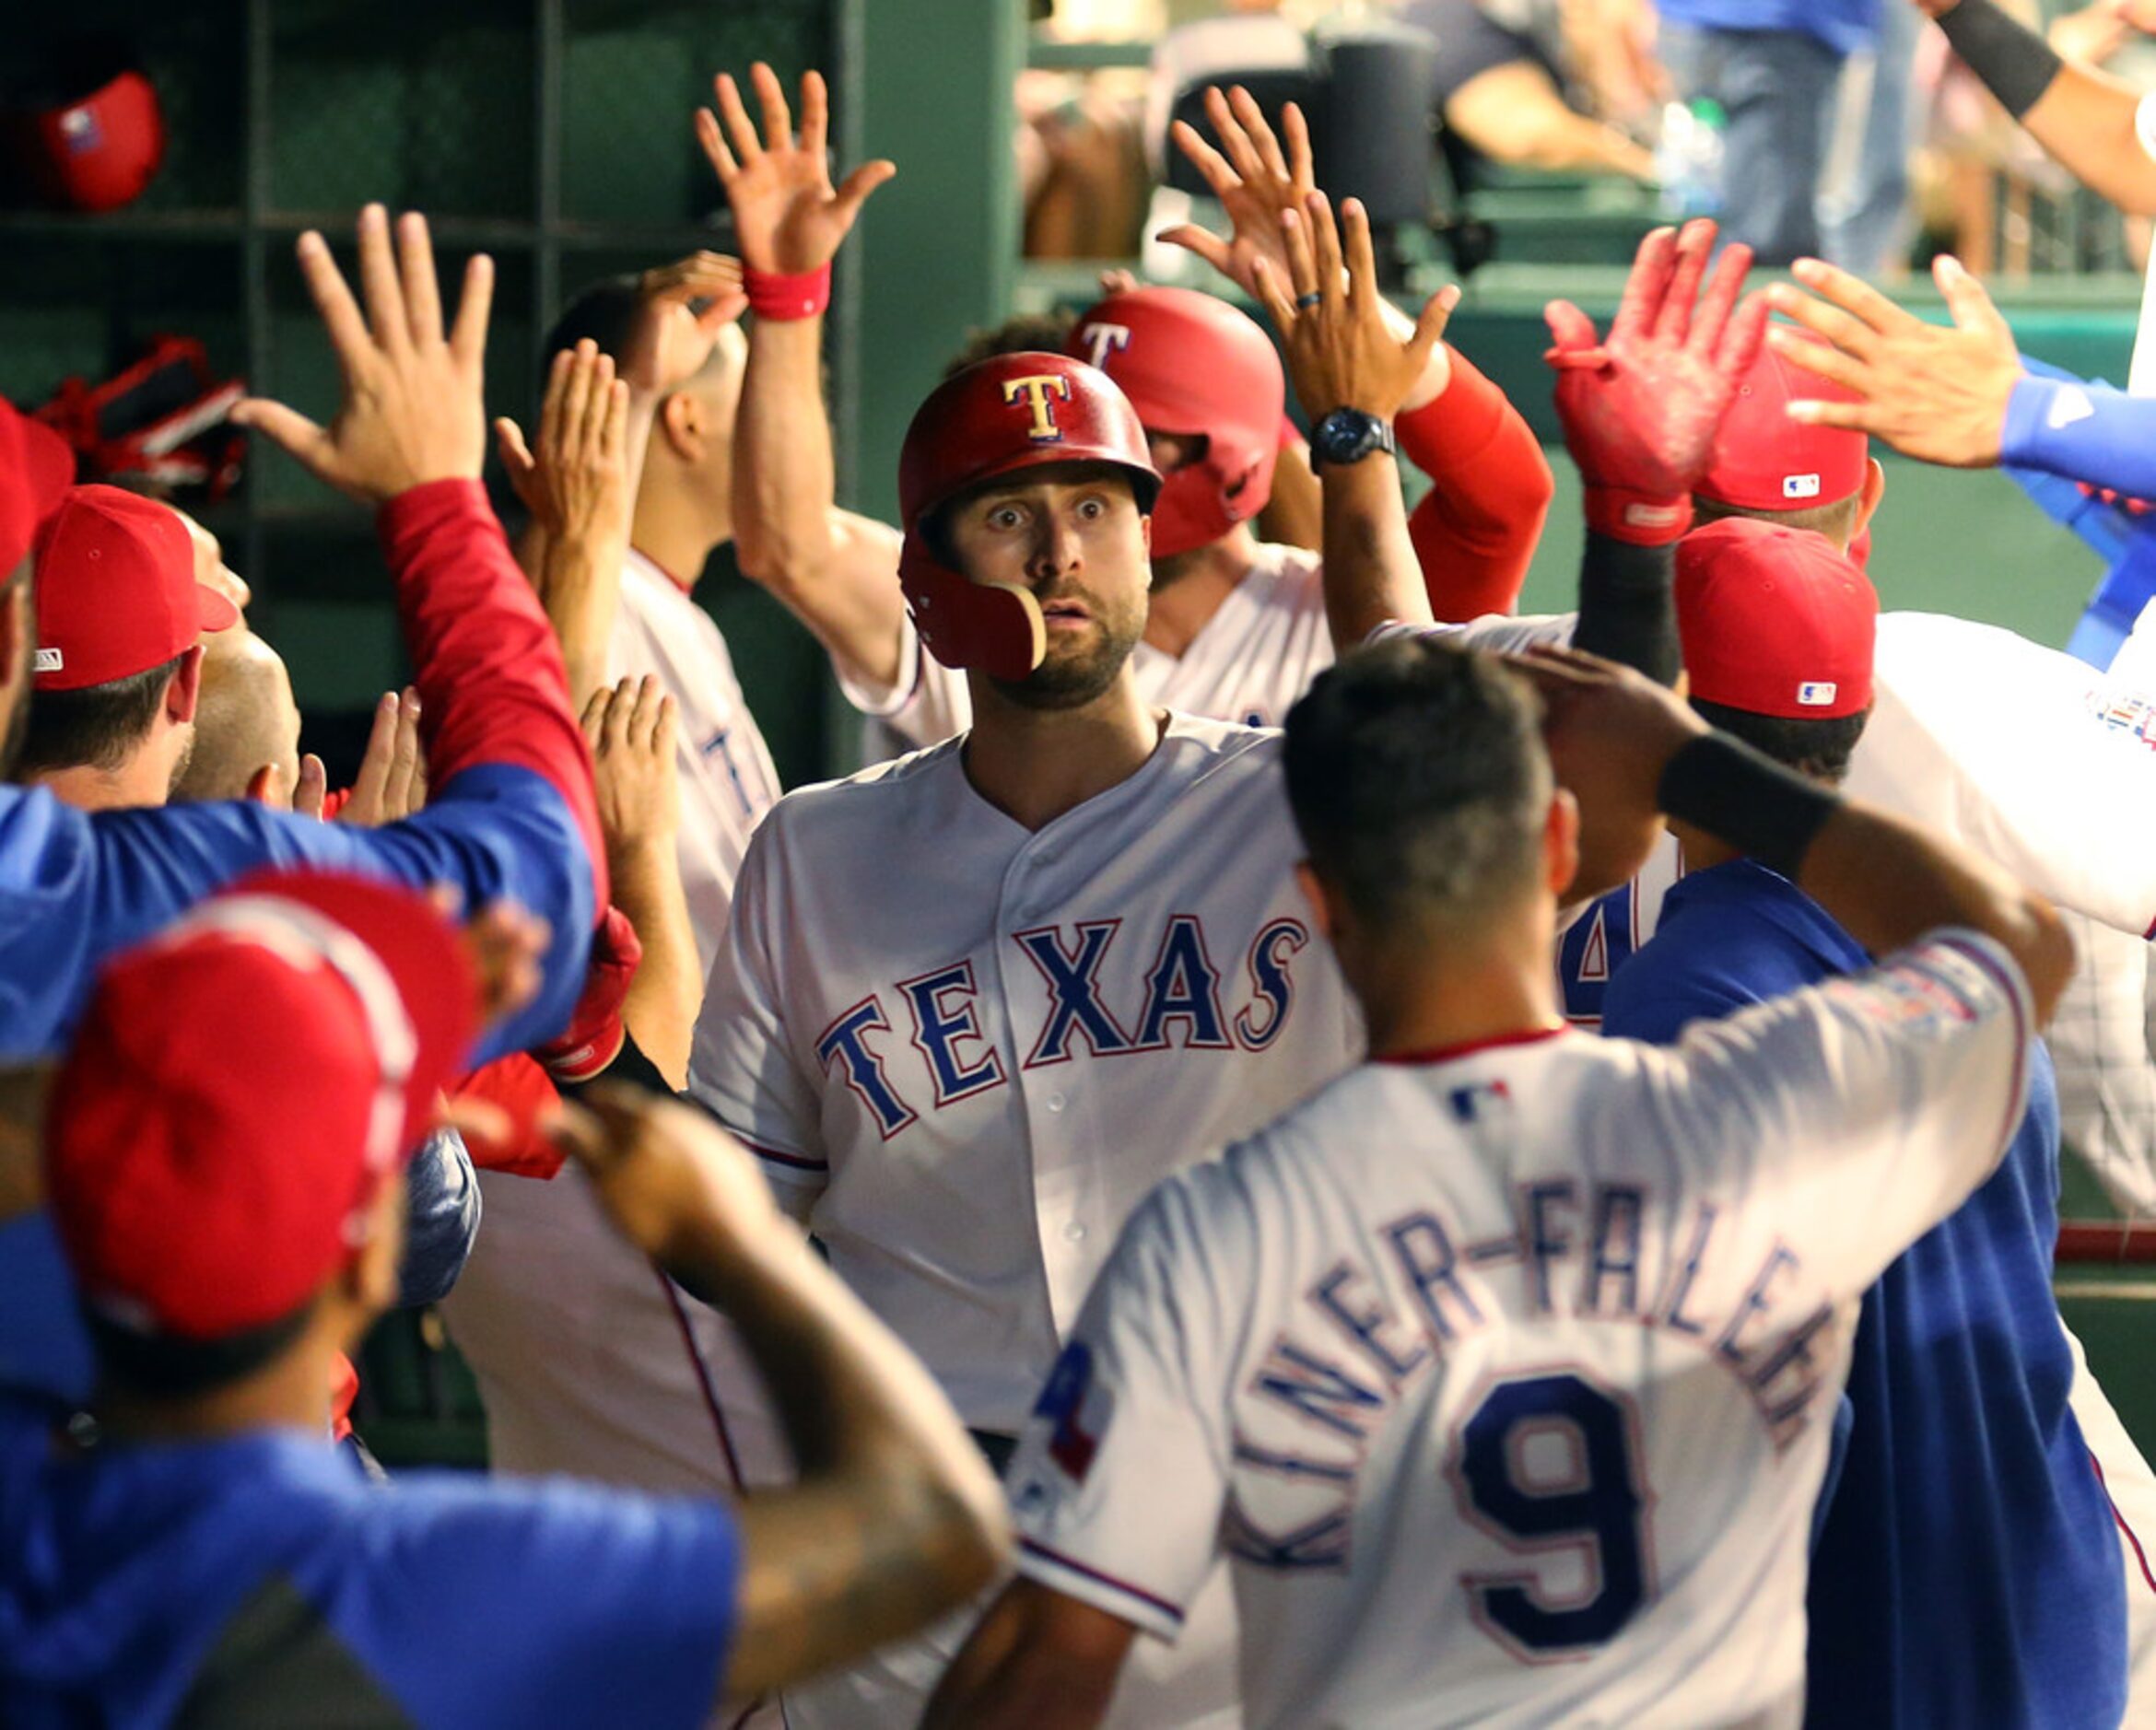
[[787, 217]]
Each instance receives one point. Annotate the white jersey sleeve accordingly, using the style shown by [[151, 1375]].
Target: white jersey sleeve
[[1498, 632], [926, 705], [1901, 1085], [2028, 755], [742, 1068], [1121, 1474]]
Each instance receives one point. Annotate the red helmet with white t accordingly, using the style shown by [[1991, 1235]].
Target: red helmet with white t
[[1193, 365], [1005, 414]]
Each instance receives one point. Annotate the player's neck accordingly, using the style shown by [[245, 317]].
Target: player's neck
[[1033, 764], [144, 779], [1436, 995], [677, 532], [291, 1392], [1701, 850], [1188, 590]]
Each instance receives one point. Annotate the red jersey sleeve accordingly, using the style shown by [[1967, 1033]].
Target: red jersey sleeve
[[1475, 531]]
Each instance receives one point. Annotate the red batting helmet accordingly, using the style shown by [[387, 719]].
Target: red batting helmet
[[1194, 365], [1010, 413]]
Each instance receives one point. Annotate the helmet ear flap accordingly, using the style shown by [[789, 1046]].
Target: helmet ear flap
[[995, 627]]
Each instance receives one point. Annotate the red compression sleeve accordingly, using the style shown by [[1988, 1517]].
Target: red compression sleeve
[[1475, 530], [492, 685]]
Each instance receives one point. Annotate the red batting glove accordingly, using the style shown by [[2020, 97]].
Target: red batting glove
[[595, 1033], [1640, 410]]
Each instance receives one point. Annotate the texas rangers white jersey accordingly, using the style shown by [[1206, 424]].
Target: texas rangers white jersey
[[727, 780], [965, 1050], [1503, 1376]]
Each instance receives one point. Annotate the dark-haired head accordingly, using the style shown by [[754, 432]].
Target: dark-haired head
[[1421, 787]]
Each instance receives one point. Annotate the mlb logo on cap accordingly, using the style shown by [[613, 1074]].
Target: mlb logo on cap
[[1817, 693], [1799, 487]]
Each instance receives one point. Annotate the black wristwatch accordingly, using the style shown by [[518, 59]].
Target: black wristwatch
[[1347, 435]]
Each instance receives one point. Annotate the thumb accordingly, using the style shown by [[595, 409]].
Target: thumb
[[516, 455], [1435, 315], [302, 437], [722, 309], [854, 190], [1202, 241], [1573, 342], [1971, 307]]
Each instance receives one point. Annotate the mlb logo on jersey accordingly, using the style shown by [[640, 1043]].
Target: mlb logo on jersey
[[1479, 1102], [1817, 693], [1799, 487], [1038, 391]]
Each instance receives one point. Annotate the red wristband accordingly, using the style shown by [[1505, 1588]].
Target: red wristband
[[784, 298], [1642, 518]]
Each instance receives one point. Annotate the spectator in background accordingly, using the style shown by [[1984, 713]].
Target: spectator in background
[[1773, 65], [1543, 84]]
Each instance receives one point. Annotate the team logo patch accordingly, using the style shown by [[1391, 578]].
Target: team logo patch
[[51, 660], [1799, 487], [2070, 405], [1038, 391], [1076, 1408], [2124, 713], [1101, 340], [1817, 693]]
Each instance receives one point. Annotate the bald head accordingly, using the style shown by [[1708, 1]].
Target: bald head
[[245, 721]]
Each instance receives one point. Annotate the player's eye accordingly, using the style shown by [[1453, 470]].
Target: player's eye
[[1093, 510], [1005, 517]]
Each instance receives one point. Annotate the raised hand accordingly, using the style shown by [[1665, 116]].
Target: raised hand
[[1640, 408], [631, 727], [1611, 732], [1262, 183], [1341, 353], [1255, 181], [671, 339], [1933, 392], [577, 480], [412, 408], [392, 783], [787, 216]]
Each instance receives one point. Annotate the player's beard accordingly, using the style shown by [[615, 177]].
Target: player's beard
[[179, 763], [1081, 665]]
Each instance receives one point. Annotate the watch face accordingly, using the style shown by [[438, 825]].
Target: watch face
[[1347, 435]]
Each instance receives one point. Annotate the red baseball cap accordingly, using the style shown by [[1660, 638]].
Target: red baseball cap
[[116, 590], [203, 1184], [1764, 461], [1774, 621], [36, 470]]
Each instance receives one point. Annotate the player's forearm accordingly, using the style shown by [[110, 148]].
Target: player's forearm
[[2082, 432], [1475, 531], [1886, 881], [490, 671], [895, 1517], [2083, 117], [1889, 882], [785, 483], [1002, 1681], [1371, 577], [579, 584], [1626, 612], [661, 1007]]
